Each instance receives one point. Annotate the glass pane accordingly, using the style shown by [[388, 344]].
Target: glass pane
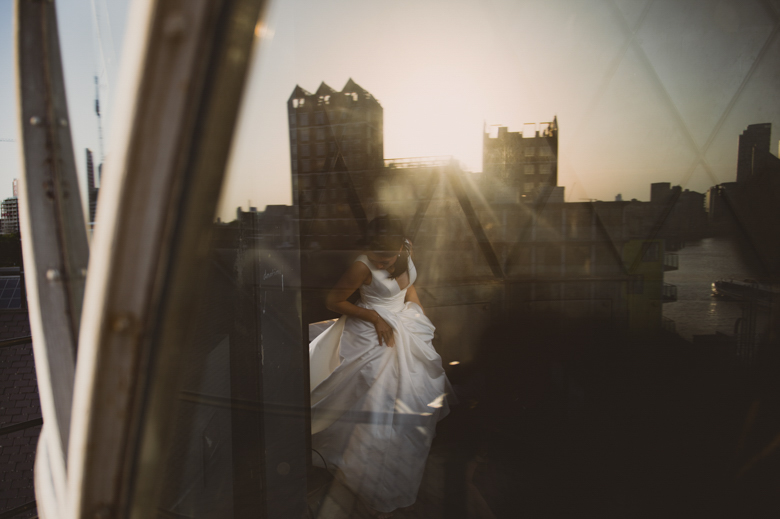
[[566, 258], [590, 192]]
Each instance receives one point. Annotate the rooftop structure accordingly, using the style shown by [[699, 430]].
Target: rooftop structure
[[520, 162]]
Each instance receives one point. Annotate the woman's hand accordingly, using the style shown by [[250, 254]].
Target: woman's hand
[[384, 331]]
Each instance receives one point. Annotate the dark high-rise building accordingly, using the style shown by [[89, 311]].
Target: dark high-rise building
[[328, 125], [9, 216], [334, 138], [523, 165], [753, 146], [92, 191]]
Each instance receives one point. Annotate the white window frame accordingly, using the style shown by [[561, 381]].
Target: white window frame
[[169, 153]]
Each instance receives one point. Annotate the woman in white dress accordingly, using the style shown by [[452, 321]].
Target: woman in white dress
[[378, 386]]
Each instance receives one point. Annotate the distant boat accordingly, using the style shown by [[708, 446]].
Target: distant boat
[[747, 291]]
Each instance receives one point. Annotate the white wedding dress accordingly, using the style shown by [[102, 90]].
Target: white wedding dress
[[375, 408]]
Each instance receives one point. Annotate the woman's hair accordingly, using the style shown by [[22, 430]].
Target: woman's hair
[[385, 236]]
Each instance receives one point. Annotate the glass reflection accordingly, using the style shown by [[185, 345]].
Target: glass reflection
[[574, 178]]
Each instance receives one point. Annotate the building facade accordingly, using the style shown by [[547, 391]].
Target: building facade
[[335, 137], [92, 190], [754, 144], [521, 166], [9, 216]]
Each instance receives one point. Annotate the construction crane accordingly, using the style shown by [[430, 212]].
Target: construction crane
[[100, 122]]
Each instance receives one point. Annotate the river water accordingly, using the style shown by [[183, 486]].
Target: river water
[[696, 312]]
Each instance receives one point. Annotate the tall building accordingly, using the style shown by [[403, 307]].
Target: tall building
[[522, 165], [92, 191], [758, 176], [9, 216], [329, 125], [753, 147], [335, 137]]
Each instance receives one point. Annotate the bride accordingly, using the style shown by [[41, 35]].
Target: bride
[[378, 386]]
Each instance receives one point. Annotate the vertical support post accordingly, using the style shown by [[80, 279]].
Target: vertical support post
[[51, 217], [246, 383]]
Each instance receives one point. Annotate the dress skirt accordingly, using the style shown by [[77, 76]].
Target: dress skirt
[[375, 408]]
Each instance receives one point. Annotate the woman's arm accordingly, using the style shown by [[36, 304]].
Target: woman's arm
[[411, 295], [357, 274]]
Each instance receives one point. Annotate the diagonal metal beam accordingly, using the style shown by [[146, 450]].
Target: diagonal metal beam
[[614, 66], [663, 92], [422, 206], [476, 227], [727, 111]]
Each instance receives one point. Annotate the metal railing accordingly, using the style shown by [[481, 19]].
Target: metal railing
[[418, 162]]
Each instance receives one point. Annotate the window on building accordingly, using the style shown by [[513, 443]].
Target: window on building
[[303, 119], [320, 134], [529, 151], [320, 149], [305, 134], [305, 150], [545, 151], [528, 187], [305, 166], [319, 118], [529, 169], [545, 169]]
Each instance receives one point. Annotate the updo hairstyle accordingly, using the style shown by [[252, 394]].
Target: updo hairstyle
[[385, 237]]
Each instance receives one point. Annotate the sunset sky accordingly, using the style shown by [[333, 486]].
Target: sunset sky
[[642, 90]]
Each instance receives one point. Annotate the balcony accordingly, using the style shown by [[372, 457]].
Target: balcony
[[669, 293], [671, 261]]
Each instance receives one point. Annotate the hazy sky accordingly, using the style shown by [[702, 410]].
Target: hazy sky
[[642, 89]]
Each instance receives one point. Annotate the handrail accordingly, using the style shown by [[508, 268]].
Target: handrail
[[7, 343]]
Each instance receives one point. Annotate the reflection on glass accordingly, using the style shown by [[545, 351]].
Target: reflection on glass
[[574, 177], [378, 385]]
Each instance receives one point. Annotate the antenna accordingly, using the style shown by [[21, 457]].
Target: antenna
[[100, 123]]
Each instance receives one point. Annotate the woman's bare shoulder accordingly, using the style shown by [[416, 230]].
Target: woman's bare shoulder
[[360, 270]]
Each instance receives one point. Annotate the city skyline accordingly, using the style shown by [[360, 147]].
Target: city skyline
[[640, 89]]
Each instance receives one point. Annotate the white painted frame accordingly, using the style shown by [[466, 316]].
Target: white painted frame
[[54, 238], [183, 74]]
